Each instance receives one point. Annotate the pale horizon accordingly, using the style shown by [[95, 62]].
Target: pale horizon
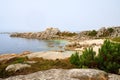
[[67, 15]]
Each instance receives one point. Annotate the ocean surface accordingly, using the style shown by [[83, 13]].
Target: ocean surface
[[18, 45]]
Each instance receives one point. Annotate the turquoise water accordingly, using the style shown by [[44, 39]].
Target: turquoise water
[[18, 45]]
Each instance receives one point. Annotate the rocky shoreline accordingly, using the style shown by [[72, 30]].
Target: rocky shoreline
[[77, 42], [54, 55], [55, 33]]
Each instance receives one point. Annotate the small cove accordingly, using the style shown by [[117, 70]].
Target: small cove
[[18, 45]]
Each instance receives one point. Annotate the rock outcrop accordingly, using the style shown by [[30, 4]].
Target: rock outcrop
[[108, 32], [116, 32], [61, 74], [55, 33], [102, 32], [114, 77], [49, 33], [16, 67], [82, 45]]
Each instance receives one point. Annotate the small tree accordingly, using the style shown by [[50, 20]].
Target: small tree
[[108, 58], [84, 60], [92, 33], [87, 58], [110, 30], [74, 59]]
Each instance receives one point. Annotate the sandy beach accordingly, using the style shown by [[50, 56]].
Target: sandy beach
[[62, 55]]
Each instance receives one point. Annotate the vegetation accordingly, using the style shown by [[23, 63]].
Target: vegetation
[[67, 34], [85, 60], [42, 64], [116, 39], [108, 58], [92, 33], [107, 32], [110, 30]]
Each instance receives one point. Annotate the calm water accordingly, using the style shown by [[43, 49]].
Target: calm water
[[18, 45]]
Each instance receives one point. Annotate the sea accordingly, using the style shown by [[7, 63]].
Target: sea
[[17, 45]]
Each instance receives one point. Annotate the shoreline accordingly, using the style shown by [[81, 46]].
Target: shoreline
[[57, 54]]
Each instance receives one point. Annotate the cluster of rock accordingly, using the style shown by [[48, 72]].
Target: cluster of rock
[[49, 33], [82, 35], [55, 33], [103, 32], [116, 32], [70, 74], [81, 45], [110, 32]]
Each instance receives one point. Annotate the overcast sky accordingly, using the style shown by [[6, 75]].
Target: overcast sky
[[71, 15]]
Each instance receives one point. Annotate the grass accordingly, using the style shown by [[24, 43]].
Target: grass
[[42, 64], [116, 39]]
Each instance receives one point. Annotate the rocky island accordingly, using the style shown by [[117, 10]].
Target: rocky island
[[84, 63]]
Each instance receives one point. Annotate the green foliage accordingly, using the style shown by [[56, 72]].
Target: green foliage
[[84, 60], [92, 33], [74, 59], [87, 58], [110, 30], [116, 39], [108, 58], [41, 64], [68, 34]]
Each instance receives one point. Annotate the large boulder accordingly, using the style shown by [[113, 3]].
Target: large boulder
[[114, 77], [62, 74], [16, 67], [116, 32], [101, 32]]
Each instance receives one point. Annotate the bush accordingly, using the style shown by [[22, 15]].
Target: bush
[[67, 34], [108, 58], [87, 58], [84, 60], [92, 33], [110, 30], [74, 59]]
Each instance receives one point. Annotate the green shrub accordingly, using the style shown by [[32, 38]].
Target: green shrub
[[87, 58], [110, 30], [67, 34], [108, 58], [92, 33], [74, 59], [84, 60]]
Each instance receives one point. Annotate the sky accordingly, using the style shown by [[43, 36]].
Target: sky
[[70, 15]]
